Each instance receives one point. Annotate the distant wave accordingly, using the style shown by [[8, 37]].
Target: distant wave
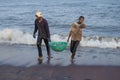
[[16, 36]]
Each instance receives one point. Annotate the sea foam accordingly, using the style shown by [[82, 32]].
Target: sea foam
[[16, 36]]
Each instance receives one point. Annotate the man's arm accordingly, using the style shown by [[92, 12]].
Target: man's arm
[[47, 29], [71, 30], [35, 29], [82, 26], [70, 33]]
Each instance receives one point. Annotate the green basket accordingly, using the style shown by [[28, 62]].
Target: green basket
[[58, 46]]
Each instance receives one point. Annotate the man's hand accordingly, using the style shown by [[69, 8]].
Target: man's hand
[[34, 36], [49, 40], [67, 40]]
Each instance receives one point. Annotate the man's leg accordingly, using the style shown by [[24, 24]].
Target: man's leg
[[47, 47], [72, 48], [75, 45], [39, 42]]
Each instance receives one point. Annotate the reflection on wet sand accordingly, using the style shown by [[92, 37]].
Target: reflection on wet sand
[[24, 55]]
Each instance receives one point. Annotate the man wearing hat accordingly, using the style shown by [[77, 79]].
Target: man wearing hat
[[41, 26]]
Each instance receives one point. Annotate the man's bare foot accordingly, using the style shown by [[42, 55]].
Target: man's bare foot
[[72, 61], [40, 58], [49, 57]]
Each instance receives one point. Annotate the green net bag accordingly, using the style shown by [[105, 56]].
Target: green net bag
[[58, 46]]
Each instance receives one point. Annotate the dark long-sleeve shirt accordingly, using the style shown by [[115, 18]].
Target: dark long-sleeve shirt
[[42, 28]]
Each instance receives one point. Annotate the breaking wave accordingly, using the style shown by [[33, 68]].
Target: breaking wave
[[16, 36]]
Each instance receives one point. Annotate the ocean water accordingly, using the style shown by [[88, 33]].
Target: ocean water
[[102, 18]]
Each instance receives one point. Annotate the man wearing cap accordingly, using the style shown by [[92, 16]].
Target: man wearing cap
[[41, 25], [76, 35]]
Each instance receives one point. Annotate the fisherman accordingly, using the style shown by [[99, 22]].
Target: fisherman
[[41, 26], [76, 35]]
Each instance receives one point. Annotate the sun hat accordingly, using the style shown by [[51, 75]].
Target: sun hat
[[38, 14]]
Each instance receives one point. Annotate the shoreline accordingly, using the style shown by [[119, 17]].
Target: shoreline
[[25, 55]]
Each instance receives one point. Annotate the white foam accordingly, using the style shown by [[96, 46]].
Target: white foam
[[57, 37], [16, 36], [104, 43], [19, 37]]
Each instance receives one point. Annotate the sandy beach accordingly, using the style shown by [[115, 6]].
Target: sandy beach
[[47, 72], [19, 62]]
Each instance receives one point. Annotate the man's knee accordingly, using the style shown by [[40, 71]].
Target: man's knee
[[71, 50], [38, 44]]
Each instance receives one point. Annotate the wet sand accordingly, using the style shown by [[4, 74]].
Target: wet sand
[[71, 72], [19, 62], [26, 55]]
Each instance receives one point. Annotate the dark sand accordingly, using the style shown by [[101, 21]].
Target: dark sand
[[19, 62], [71, 72]]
